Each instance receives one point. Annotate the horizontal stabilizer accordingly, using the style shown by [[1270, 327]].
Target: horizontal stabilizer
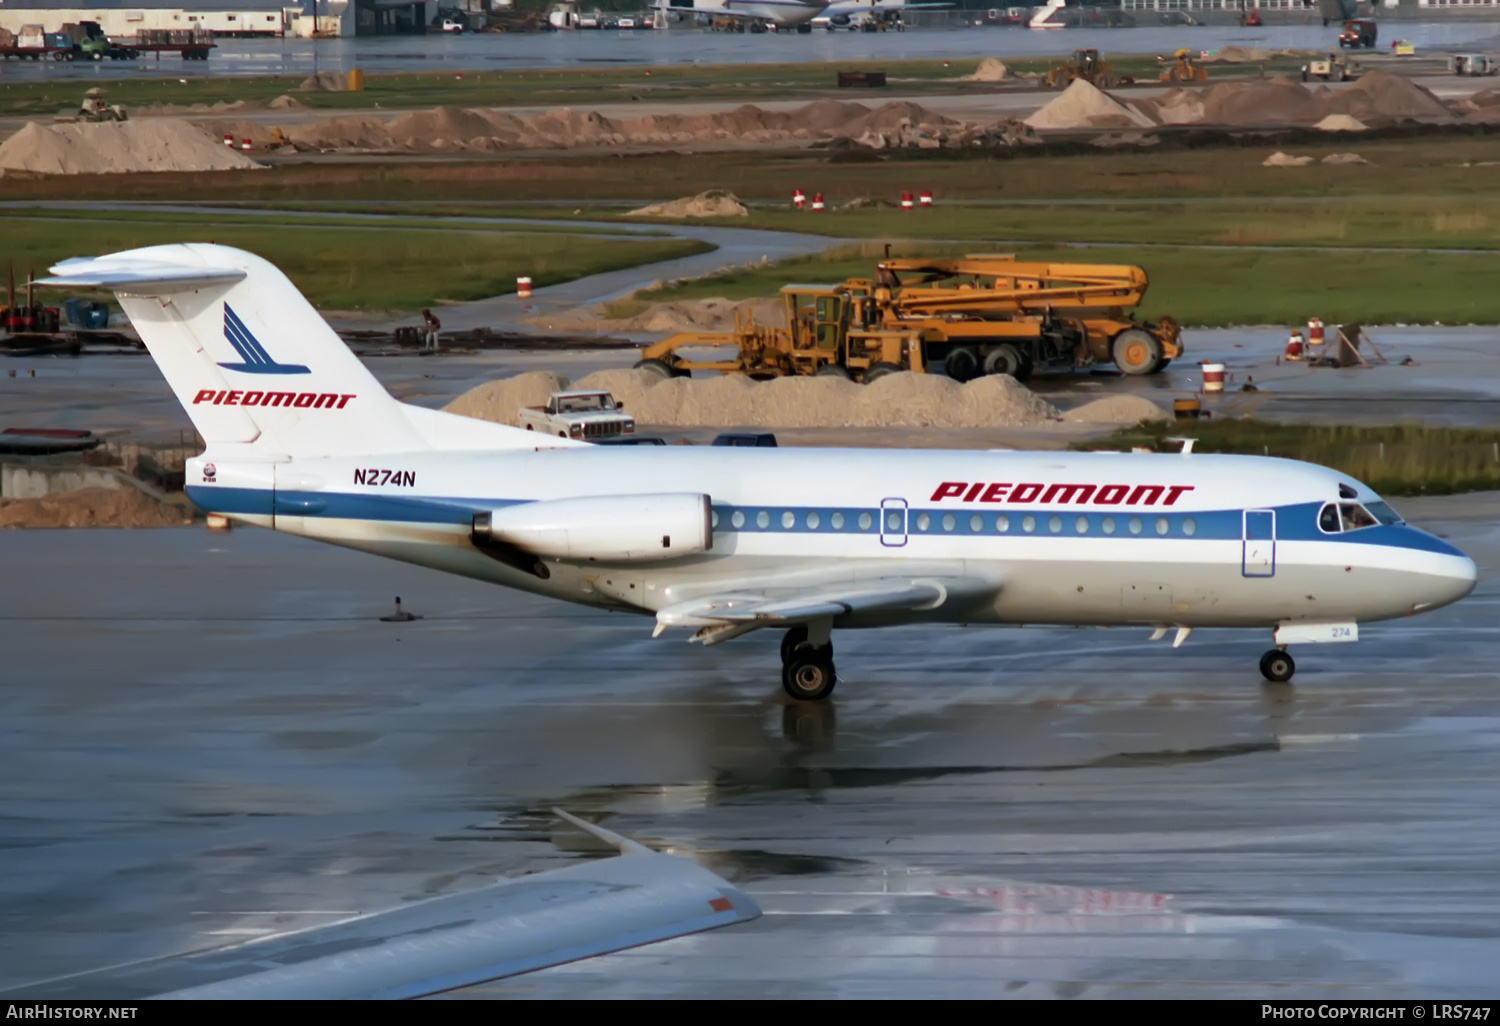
[[140, 277]]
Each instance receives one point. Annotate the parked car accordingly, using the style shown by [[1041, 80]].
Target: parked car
[[452, 25], [755, 440], [631, 440], [585, 415]]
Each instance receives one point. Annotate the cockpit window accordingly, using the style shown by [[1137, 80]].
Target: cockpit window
[[1351, 516], [1328, 519]]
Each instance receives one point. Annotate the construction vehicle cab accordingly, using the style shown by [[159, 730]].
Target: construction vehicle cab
[[1185, 69], [1334, 68], [1088, 65], [1359, 34], [94, 108]]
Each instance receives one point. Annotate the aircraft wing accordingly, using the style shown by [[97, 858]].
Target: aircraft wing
[[733, 613], [456, 940]]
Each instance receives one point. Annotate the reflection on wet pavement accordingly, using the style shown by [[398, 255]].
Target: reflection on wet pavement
[[211, 737]]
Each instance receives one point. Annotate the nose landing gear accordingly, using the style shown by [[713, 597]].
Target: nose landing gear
[[807, 672], [1277, 666]]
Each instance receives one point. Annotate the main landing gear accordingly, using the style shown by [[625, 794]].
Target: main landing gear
[[807, 672], [1277, 666]]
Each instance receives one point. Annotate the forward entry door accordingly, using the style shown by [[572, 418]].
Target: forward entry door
[[893, 522], [1259, 554]]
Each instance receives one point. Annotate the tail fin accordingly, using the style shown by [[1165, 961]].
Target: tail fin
[[253, 363]]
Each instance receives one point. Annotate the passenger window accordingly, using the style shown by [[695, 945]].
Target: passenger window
[[923, 522], [813, 521], [1028, 523], [864, 521], [1054, 524], [837, 521], [1355, 516], [762, 520], [1002, 523], [1081, 525], [1162, 527], [949, 522], [1108, 525], [1328, 519], [788, 520], [976, 523]]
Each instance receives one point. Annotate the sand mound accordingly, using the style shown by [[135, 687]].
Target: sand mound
[[900, 400], [1082, 105], [164, 144], [715, 314], [1242, 54], [1344, 158], [990, 69], [501, 401], [1395, 96], [1276, 101], [1117, 409], [284, 102], [706, 204], [93, 507], [1341, 123], [324, 82], [1279, 159]]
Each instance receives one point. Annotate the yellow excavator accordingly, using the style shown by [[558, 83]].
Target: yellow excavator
[[1185, 69], [975, 315]]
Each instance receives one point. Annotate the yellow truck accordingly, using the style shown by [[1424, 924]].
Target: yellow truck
[[975, 315]]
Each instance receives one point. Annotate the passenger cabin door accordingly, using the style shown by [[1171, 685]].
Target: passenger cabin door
[[893, 522], [1258, 557]]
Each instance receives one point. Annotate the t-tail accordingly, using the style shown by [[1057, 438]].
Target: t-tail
[[260, 373]]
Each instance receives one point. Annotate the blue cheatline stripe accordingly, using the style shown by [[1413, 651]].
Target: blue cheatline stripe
[[1293, 523]]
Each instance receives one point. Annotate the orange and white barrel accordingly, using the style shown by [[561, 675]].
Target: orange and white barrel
[[817, 203], [906, 201], [229, 140], [523, 287], [245, 144], [925, 198], [799, 199], [1213, 377], [1314, 333], [1294, 346]]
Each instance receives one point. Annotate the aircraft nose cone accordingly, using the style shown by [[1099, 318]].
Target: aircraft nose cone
[[1459, 577]]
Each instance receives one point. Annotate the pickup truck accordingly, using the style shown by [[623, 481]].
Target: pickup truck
[[585, 415]]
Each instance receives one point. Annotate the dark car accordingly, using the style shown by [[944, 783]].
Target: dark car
[[631, 440], [763, 440]]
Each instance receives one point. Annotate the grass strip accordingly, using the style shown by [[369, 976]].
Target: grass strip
[[1396, 459], [355, 269]]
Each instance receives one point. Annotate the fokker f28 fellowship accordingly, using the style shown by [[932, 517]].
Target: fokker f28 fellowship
[[724, 541]]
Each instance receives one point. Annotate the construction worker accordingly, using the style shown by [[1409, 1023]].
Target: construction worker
[[433, 326]]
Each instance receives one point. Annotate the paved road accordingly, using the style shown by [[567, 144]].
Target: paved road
[[206, 737]]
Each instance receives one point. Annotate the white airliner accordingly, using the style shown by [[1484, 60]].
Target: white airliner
[[724, 541], [795, 13]]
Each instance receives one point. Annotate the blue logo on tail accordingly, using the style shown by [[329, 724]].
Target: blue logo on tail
[[257, 360]]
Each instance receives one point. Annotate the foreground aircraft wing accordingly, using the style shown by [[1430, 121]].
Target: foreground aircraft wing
[[742, 611], [457, 940]]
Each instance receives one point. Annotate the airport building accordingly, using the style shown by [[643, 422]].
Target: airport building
[[228, 18]]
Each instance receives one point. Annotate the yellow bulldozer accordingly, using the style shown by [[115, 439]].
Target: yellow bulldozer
[[1184, 69], [1088, 65], [976, 315]]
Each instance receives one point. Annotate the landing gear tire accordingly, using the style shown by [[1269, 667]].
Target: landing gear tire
[[880, 370], [1137, 352], [833, 370], [809, 675], [1005, 359], [789, 642], [962, 364], [1277, 666], [660, 367]]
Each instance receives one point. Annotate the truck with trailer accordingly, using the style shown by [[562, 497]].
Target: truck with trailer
[[971, 316]]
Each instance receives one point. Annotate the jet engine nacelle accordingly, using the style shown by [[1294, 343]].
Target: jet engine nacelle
[[612, 528]]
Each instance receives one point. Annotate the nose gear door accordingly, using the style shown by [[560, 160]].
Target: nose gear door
[[1258, 557]]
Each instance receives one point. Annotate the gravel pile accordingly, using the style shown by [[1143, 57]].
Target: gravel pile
[[160, 144]]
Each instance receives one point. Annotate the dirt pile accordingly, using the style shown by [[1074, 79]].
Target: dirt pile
[[501, 401], [1279, 159], [284, 102], [1395, 96], [164, 144], [1344, 158], [1274, 101], [713, 203], [324, 82], [93, 507], [1117, 409], [1082, 105], [990, 69], [715, 314], [1341, 123], [900, 400]]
